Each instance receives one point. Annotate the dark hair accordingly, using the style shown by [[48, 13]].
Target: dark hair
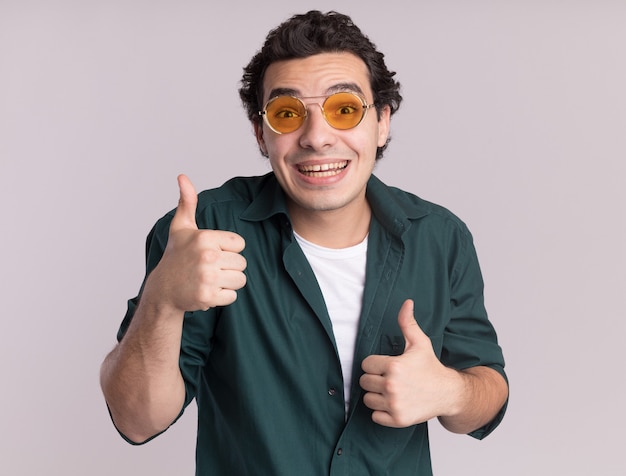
[[314, 33]]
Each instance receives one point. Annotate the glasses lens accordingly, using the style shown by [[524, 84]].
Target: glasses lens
[[285, 114], [343, 110]]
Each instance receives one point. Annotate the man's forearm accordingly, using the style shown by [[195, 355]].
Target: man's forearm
[[481, 394], [141, 379]]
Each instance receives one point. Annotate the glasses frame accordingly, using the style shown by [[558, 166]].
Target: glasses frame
[[301, 100]]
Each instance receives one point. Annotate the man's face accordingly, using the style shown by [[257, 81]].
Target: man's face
[[321, 168]]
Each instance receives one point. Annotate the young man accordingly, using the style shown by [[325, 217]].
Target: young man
[[318, 317]]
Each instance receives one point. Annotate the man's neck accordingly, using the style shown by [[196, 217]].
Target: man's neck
[[334, 228]]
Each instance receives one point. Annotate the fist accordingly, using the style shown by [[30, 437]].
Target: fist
[[199, 269], [410, 388]]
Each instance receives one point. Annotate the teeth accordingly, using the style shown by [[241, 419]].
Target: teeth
[[327, 169]]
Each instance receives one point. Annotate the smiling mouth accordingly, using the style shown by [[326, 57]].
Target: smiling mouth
[[323, 170]]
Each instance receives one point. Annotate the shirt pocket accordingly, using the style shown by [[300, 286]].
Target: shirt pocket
[[391, 345], [394, 344]]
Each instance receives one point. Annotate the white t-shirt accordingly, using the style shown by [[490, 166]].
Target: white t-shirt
[[341, 277]]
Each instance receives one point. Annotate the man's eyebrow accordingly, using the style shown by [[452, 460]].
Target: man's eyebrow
[[352, 87], [282, 92], [335, 88]]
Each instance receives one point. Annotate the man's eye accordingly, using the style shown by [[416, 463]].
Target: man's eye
[[287, 114], [348, 109]]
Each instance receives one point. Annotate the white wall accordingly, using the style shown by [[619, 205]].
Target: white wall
[[514, 118]]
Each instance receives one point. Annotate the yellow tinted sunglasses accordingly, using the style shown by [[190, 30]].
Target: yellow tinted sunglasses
[[344, 110]]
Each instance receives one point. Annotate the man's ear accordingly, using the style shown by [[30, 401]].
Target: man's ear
[[383, 125], [258, 133]]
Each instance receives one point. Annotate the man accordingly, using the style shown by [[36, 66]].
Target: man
[[318, 317]]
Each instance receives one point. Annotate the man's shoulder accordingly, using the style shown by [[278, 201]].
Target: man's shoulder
[[407, 205], [227, 200]]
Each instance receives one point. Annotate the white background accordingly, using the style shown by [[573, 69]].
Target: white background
[[514, 118]]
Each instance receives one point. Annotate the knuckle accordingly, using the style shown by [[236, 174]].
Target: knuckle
[[209, 256], [390, 387], [394, 367]]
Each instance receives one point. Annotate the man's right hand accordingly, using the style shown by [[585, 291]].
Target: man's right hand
[[199, 269]]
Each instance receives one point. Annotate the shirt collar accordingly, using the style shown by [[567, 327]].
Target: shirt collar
[[393, 208], [270, 201]]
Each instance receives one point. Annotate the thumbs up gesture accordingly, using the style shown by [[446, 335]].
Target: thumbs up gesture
[[199, 268], [410, 388]]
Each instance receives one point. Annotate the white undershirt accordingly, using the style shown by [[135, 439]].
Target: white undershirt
[[341, 277]]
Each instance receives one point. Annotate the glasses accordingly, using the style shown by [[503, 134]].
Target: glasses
[[344, 110]]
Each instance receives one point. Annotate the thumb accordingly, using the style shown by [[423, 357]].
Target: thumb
[[185, 216], [412, 332]]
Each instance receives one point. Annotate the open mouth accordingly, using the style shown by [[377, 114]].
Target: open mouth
[[323, 170]]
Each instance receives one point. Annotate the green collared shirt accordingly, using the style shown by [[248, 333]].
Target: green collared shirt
[[265, 370]]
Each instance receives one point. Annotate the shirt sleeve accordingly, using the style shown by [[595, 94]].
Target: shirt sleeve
[[197, 326], [470, 339]]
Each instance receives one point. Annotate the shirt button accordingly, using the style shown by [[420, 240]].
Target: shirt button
[[339, 452], [332, 391]]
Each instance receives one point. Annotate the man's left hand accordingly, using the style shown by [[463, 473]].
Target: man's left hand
[[411, 388]]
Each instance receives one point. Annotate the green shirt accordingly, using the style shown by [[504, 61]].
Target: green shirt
[[265, 370]]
